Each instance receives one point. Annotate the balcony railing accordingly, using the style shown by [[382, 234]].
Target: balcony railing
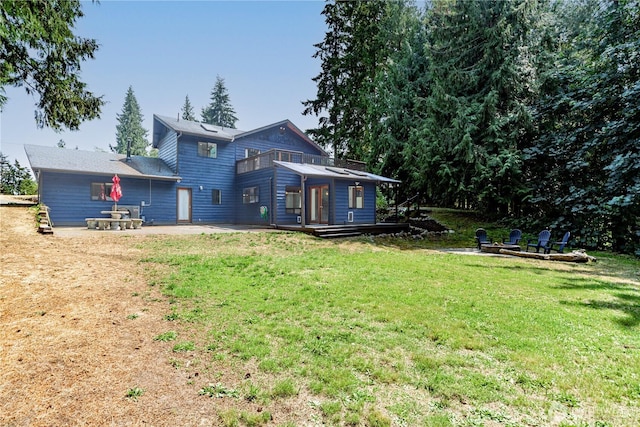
[[265, 160]]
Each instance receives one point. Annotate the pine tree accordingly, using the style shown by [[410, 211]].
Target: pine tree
[[394, 103], [129, 129], [351, 52], [220, 112], [40, 53], [477, 110], [15, 179], [585, 162], [187, 110]]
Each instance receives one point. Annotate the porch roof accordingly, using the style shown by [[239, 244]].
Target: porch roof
[[333, 172]]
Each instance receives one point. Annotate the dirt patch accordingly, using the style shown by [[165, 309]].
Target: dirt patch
[[77, 322], [78, 319]]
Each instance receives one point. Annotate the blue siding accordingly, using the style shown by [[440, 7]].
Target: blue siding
[[168, 150], [271, 139], [160, 202], [285, 178], [250, 213], [366, 215], [68, 197], [204, 174]]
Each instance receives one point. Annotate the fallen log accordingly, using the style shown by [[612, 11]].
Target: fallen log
[[575, 256]]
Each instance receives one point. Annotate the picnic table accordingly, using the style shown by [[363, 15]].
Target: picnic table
[[114, 222]]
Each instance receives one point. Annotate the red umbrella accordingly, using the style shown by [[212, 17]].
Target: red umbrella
[[116, 191]]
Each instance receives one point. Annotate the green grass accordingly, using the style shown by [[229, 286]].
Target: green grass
[[389, 333], [166, 336], [134, 393]]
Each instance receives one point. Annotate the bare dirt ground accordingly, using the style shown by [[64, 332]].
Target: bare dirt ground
[[70, 348]]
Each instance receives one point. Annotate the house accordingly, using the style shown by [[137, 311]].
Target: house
[[272, 176]]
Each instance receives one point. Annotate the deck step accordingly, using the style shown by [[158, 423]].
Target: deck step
[[348, 230], [45, 226], [336, 235]]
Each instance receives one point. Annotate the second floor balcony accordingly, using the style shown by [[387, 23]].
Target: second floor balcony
[[265, 160]]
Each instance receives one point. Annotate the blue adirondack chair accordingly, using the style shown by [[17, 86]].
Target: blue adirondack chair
[[541, 243], [482, 238], [561, 245], [514, 237]]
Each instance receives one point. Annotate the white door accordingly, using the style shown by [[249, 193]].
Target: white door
[[184, 205]]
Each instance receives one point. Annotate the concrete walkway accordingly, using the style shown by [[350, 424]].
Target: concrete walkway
[[160, 229]]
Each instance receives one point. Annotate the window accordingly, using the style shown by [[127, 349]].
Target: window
[[250, 152], [216, 197], [208, 149], [292, 200], [251, 195], [101, 191], [356, 197]]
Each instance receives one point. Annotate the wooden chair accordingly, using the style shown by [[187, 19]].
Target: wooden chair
[[514, 237], [542, 243], [561, 245], [482, 238]]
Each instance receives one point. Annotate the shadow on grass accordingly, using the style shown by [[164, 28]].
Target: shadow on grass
[[598, 283], [625, 303], [523, 267]]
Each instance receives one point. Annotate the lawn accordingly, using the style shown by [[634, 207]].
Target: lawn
[[382, 332]]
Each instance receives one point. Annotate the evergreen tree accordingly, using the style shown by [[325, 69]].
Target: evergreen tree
[[220, 112], [129, 129], [394, 103], [39, 51], [351, 53], [15, 179], [477, 110], [589, 126], [187, 110]]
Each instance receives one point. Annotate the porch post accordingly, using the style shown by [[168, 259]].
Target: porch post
[[303, 210], [274, 198], [395, 186]]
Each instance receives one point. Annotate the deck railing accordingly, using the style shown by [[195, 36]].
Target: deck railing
[[265, 160]]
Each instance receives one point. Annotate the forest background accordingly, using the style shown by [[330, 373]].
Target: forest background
[[525, 110]]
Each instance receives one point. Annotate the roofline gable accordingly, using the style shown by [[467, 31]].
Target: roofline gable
[[289, 125], [188, 127]]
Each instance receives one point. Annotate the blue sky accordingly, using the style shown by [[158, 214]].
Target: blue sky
[[166, 50]]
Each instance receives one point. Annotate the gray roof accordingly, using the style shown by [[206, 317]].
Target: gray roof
[[333, 172], [199, 129], [289, 125], [227, 134], [96, 163]]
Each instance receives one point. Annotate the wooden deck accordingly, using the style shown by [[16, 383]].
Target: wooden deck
[[334, 231]]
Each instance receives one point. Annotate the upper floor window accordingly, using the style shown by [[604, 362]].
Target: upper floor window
[[251, 195], [208, 149], [356, 197]]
